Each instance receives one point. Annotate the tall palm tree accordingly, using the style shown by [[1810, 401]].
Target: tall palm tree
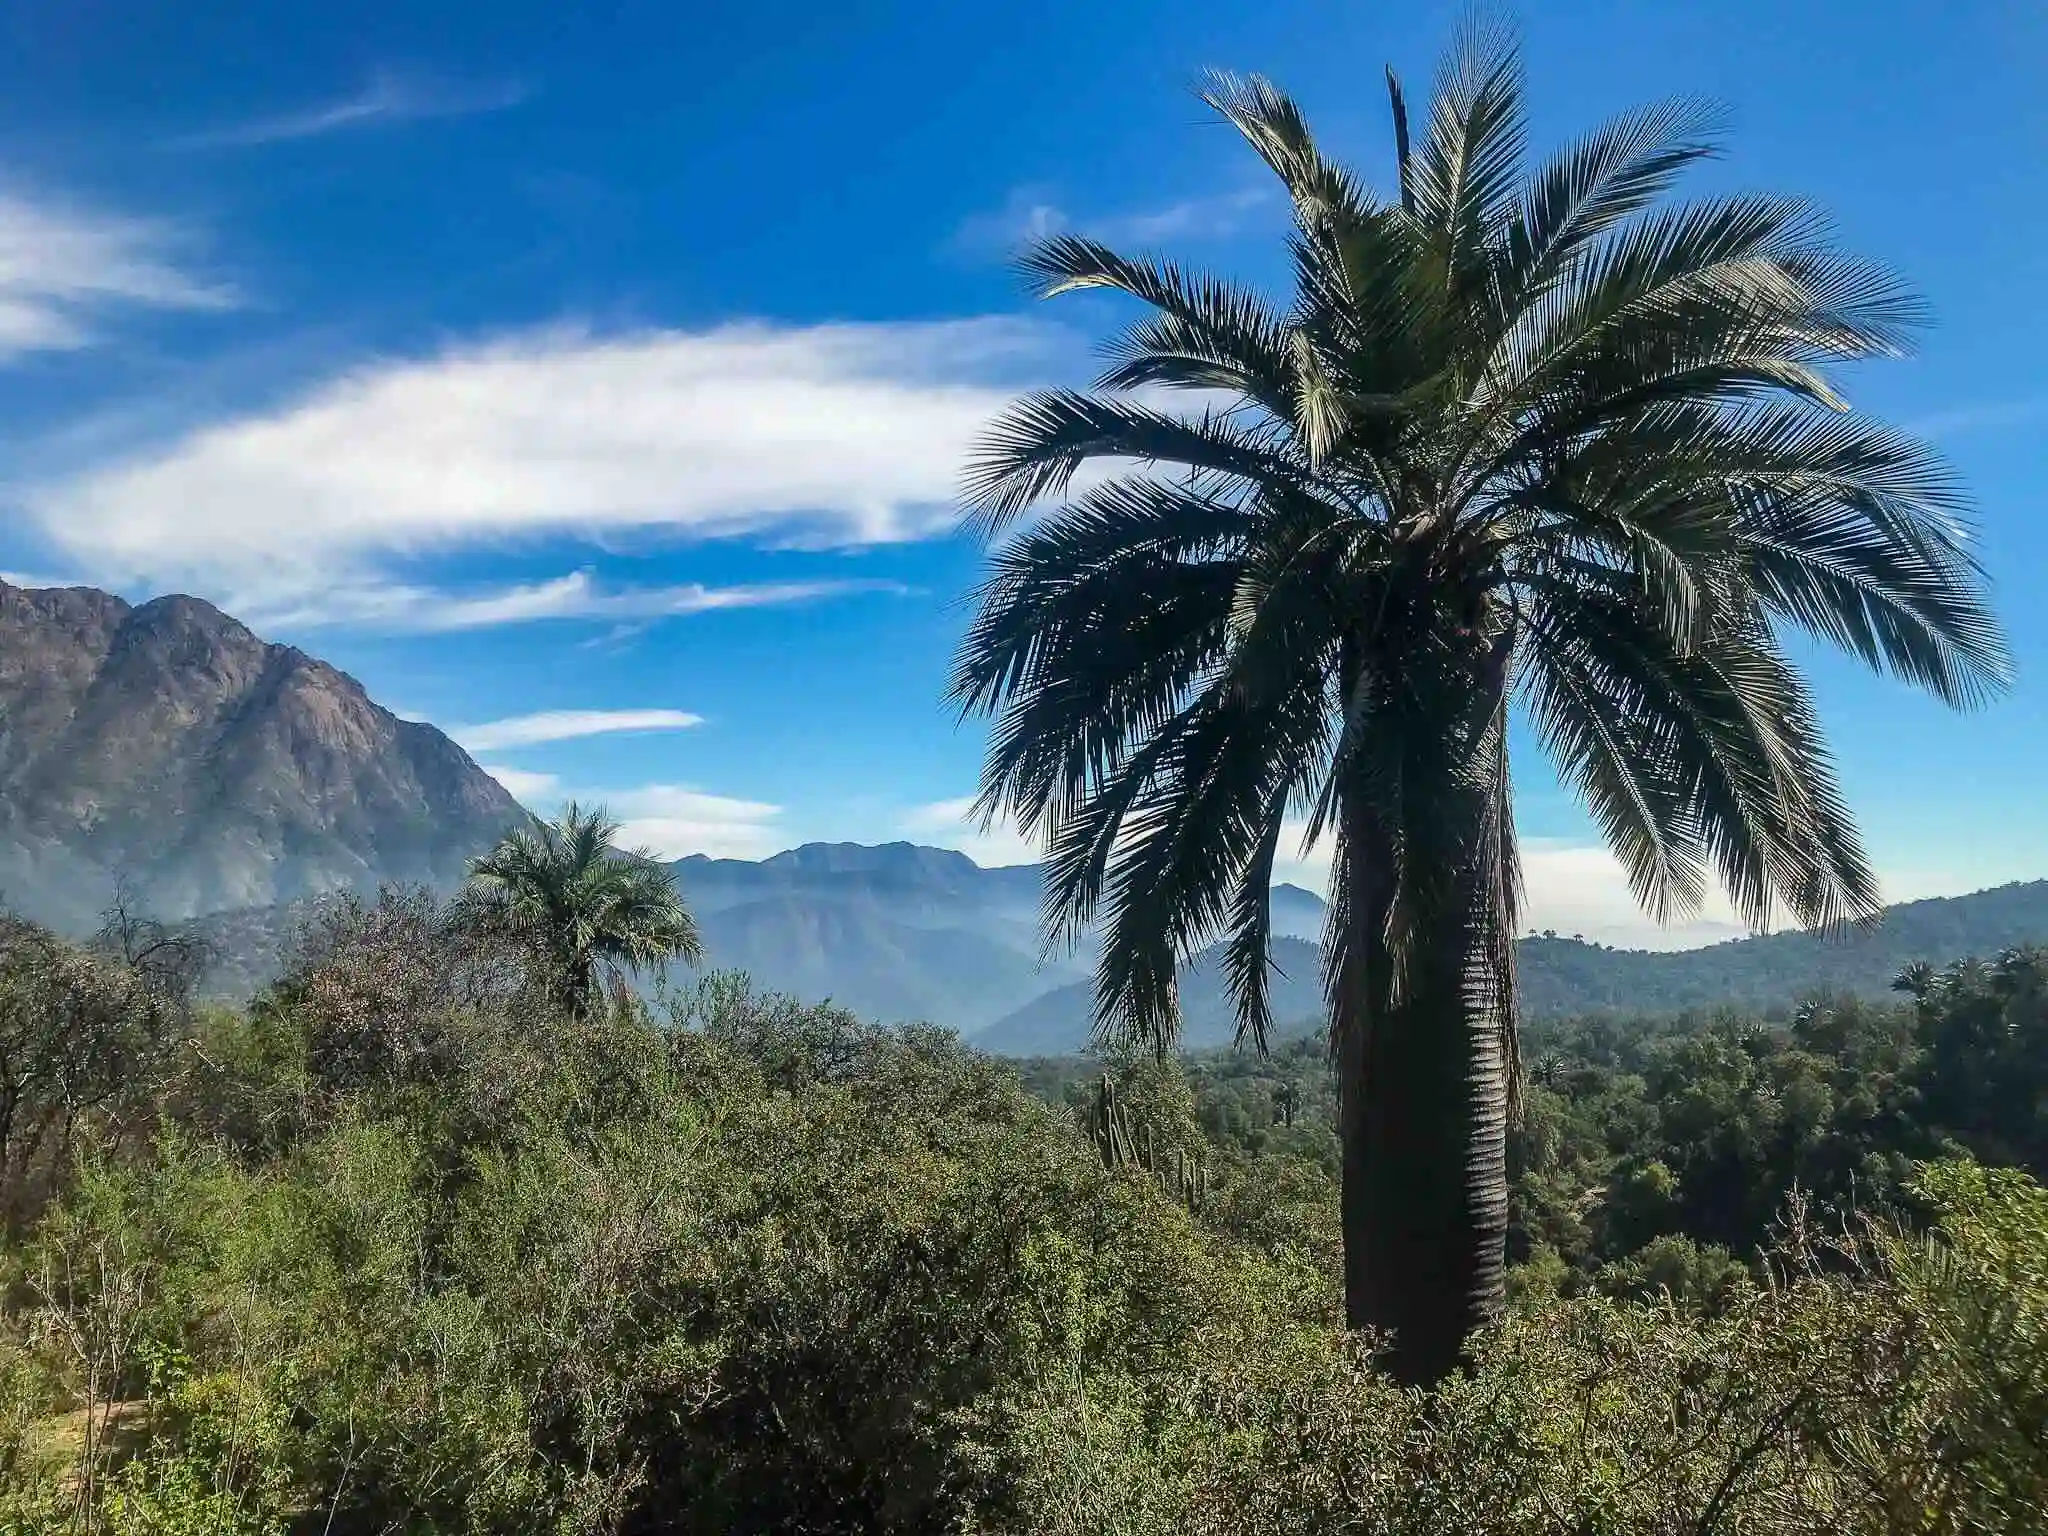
[[1515, 439], [595, 911]]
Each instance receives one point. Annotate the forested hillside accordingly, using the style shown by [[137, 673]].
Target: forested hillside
[[1560, 976], [1564, 976]]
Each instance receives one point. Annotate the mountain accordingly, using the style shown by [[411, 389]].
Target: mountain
[[880, 968], [895, 932], [231, 781], [902, 933], [167, 745], [1561, 976], [1058, 1022], [899, 931]]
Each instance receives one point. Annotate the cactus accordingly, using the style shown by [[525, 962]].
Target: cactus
[[1108, 1122], [1122, 1144]]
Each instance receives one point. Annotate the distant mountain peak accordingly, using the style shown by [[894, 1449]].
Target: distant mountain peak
[[870, 858]]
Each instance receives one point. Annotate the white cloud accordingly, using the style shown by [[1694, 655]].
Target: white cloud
[[1195, 218], [670, 821], [1028, 213], [1579, 888], [568, 725], [835, 435], [674, 821], [525, 786], [1570, 887], [1033, 212], [63, 266], [388, 97], [402, 606], [948, 824]]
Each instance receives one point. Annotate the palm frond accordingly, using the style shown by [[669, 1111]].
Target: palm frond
[[1203, 333], [1033, 449], [1273, 124], [1462, 179], [1594, 184]]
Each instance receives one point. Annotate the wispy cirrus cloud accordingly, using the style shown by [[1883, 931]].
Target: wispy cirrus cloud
[[387, 98], [66, 267], [528, 787], [670, 821], [568, 725], [1033, 212], [832, 435], [404, 607], [1196, 218]]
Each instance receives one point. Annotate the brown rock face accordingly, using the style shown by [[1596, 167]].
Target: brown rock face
[[167, 744]]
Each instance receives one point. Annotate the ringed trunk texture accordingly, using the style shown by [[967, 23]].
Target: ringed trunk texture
[[1422, 998]]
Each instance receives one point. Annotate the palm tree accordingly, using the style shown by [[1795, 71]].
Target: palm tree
[[1542, 440], [1916, 979], [1286, 1099], [594, 911]]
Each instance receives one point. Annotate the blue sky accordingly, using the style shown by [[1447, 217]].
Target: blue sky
[[613, 364]]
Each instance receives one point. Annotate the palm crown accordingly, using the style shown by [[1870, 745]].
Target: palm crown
[[1539, 437], [595, 911]]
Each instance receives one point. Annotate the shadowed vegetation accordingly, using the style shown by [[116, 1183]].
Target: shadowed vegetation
[[408, 1246]]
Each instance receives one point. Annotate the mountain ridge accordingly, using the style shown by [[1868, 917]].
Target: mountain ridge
[[968, 955], [1557, 977]]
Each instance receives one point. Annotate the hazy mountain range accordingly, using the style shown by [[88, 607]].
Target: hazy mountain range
[[230, 781]]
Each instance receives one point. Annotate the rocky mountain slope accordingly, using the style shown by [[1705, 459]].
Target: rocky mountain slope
[[168, 746]]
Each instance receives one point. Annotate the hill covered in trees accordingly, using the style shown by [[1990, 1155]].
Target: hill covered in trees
[[1563, 976]]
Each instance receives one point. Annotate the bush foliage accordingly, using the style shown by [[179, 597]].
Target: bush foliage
[[400, 1249]]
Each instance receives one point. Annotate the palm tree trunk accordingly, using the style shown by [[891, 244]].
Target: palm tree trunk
[[1422, 1020]]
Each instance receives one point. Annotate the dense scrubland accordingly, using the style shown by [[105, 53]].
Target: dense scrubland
[[410, 1245]]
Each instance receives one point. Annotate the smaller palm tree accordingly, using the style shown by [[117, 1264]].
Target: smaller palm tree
[[597, 912], [1916, 980], [1286, 1099]]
